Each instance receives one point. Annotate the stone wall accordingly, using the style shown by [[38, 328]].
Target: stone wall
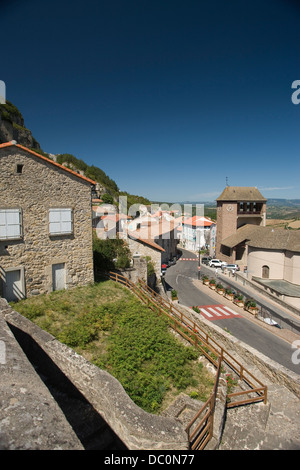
[[137, 429], [271, 369], [39, 187], [139, 247]]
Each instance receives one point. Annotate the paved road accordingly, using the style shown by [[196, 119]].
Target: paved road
[[180, 277]]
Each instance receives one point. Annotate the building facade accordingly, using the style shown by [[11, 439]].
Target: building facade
[[196, 233], [45, 225]]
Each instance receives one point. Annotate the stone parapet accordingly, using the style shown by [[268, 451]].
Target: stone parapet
[[30, 418], [137, 429]]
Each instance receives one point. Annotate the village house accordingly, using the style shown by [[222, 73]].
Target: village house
[[196, 232], [45, 224], [153, 236]]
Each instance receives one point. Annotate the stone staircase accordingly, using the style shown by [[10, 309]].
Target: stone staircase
[[258, 426]]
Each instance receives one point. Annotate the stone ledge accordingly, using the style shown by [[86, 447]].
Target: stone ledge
[[30, 417]]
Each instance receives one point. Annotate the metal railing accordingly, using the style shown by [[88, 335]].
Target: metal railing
[[199, 434]]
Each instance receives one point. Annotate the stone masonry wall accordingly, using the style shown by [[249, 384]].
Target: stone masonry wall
[[39, 187], [143, 249]]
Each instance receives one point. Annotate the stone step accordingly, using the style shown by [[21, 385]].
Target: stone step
[[245, 427], [183, 408]]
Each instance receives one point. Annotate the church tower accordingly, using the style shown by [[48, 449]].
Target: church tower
[[237, 206]]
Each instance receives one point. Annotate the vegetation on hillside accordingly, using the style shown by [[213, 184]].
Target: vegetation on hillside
[[9, 112], [110, 327], [92, 171]]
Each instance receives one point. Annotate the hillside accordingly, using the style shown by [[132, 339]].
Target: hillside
[[12, 127]]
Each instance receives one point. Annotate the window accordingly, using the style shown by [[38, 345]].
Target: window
[[265, 272], [60, 221], [10, 224], [20, 169]]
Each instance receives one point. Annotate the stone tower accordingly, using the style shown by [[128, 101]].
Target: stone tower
[[237, 206]]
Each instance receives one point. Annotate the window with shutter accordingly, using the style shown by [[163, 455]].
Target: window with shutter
[[10, 224], [60, 221]]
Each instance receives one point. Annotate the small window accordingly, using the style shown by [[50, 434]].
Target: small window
[[265, 272], [19, 169], [60, 221], [10, 224]]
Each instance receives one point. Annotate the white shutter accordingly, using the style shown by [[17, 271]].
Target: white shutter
[[10, 224], [60, 221]]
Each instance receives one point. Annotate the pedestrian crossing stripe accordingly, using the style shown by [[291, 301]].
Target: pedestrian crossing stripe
[[188, 259], [217, 312]]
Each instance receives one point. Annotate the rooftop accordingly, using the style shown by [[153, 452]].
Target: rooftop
[[265, 238], [197, 221], [280, 286], [241, 193]]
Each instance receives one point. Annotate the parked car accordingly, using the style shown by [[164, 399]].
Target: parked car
[[206, 260], [231, 267], [215, 263]]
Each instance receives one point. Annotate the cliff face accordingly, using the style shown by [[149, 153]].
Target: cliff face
[[12, 127]]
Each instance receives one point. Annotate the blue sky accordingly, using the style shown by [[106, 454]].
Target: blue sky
[[167, 97]]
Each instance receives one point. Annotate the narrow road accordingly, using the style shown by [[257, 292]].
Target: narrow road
[[181, 276]]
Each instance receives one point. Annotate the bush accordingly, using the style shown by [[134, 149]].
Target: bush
[[110, 254], [174, 294], [107, 198]]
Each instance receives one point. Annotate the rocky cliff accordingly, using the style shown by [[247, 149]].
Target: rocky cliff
[[12, 127]]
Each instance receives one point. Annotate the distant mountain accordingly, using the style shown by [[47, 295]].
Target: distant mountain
[[283, 208], [284, 202]]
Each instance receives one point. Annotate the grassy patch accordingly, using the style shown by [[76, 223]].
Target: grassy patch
[[110, 327]]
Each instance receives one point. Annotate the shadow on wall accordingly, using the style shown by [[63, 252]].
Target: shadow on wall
[[91, 429]]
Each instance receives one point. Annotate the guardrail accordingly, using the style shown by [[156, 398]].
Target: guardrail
[[201, 433]]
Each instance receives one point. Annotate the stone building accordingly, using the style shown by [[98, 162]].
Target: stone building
[[153, 237], [45, 224], [237, 206]]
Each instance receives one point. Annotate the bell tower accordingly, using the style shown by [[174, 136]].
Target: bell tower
[[237, 206]]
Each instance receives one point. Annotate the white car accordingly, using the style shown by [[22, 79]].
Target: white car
[[231, 267], [215, 263]]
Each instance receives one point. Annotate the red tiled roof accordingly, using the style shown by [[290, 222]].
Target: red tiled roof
[[197, 221], [147, 241], [10, 144]]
